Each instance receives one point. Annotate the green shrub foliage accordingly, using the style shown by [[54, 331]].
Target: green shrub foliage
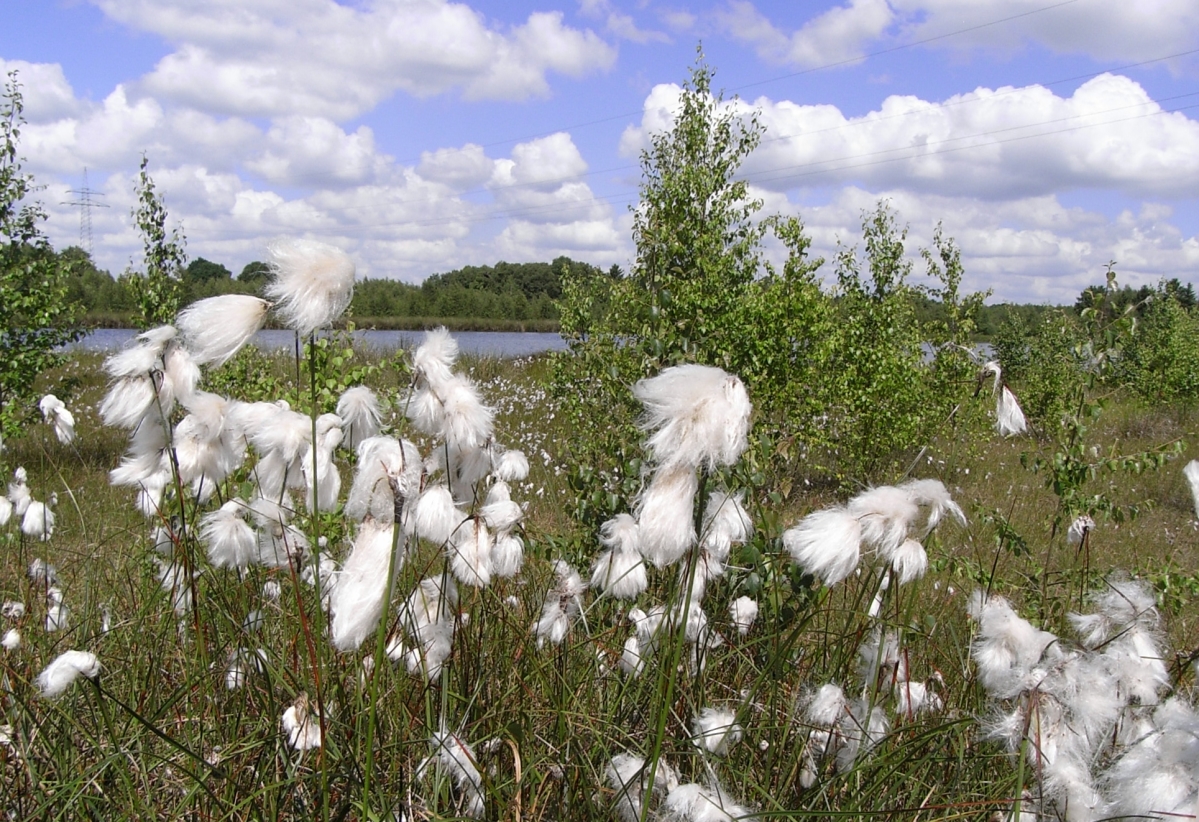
[[157, 288], [1161, 361], [841, 384], [36, 316], [1042, 361]]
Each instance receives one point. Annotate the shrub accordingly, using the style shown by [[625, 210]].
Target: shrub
[[1161, 361], [36, 318]]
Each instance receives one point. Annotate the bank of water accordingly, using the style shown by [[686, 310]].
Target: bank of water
[[504, 344]]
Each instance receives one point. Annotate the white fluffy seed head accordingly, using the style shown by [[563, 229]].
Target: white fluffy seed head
[[913, 698], [511, 466], [561, 606], [357, 599], [55, 413], [909, 561], [68, 666], [933, 496], [215, 328], [1079, 529], [827, 707], [433, 360], [386, 466], [18, 491], [716, 730], [885, 513], [39, 520], [499, 511], [459, 760], [619, 573], [743, 612], [435, 516], [312, 282], [693, 802], [358, 408], [623, 775], [700, 416], [231, 541], [1191, 472], [726, 523], [628, 776], [301, 722], [143, 356], [469, 553], [826, 544], [1009, 417], [664, 515], [1007, 647], [507, 555]]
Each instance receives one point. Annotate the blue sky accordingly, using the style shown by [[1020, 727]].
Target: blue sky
[[1048, 136]]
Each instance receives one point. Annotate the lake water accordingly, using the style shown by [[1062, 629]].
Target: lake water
[[505, 344]]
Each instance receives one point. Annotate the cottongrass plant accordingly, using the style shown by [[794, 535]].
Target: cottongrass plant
[[61, 673], [19, 495], [888, 522], [627, 778], [301, 724], [1090, 723], [39, 519], [839, 730], [1009, 417], [216, 328], [358, 407], [458, 759], [311, 283], [55, 413], [1191, 472], [663, 689]]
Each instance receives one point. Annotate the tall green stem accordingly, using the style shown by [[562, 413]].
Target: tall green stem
[[380, 650], [318, 612], [670, 672]]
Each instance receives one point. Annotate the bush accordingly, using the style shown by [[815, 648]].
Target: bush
[[36, 317], [1161, 361], [841, 385], [1043, 364]]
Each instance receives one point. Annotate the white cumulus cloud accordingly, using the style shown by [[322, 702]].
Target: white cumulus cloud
[[1104, 31], [835, 36], [316, 151], [459, 168], [991, 143], [1028, 249], [321, 58], [47, 96]]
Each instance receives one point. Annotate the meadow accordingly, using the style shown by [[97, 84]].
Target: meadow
[[186, 716]]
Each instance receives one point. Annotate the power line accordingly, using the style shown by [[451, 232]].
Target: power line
[[901, 47], [814, 69], [762, 177], [765, 175], [965, 100], [86, 204]]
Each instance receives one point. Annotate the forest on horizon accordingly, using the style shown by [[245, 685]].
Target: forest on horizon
[[503, 296]]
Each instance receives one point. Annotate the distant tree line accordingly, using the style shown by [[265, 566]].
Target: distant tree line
[[505, 292], [989, 319], [514, 292]]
